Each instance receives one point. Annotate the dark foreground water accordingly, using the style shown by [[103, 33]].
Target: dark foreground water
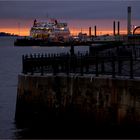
[[10, 67]]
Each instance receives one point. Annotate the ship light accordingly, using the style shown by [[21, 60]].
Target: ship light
[[62, 28]]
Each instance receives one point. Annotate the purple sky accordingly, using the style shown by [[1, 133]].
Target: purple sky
[[26, 11], [69, 9]]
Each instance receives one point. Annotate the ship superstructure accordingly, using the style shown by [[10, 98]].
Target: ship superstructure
[[52, 29]]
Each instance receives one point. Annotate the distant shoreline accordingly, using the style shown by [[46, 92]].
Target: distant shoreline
[[3, 34]]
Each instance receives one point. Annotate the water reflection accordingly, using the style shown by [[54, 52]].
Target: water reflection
[[59, 129]]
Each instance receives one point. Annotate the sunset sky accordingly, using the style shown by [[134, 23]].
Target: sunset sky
[[17, 16]]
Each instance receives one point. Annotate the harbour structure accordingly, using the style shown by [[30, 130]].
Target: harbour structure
[[67, 90], [100, 89]]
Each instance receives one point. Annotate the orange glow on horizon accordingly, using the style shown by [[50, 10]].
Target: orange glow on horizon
[[99, 32], [104, 26], [16, 31], [73, 31]]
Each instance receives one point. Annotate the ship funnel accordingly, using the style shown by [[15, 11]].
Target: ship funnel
[[114, 28], [95, 31], [118, 28], [89, 31], [129, 20]]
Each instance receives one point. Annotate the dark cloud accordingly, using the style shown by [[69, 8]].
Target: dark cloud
[[68, 9]]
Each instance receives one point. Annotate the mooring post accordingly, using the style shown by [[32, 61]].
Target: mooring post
[[31, 64], [131, 67], [26, 64], [42, 63], [102, 66], [67, 64], [73, 63], [120, 66], [86, 62], [23, 65], [113, 66], [54, 64], [96, 63], [62, 58], [72, 50], [81, 64]]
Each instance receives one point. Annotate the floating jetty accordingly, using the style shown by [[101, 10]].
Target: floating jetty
[[41, 42]]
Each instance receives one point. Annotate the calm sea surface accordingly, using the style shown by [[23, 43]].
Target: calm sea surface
[[10, 67]]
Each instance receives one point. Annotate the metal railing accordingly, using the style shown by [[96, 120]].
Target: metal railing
[[81, 64]]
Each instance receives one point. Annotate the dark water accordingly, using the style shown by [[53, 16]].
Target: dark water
[[10, 67]]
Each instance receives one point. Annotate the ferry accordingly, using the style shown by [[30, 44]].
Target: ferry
[[51, 29]]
